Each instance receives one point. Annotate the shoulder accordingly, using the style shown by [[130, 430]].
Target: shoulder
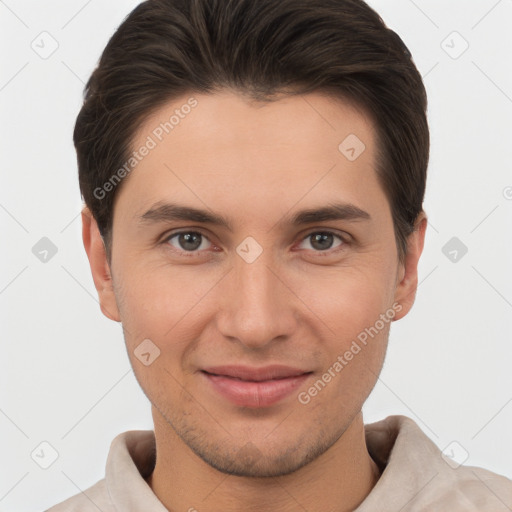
[[470, 489], [417, 476], [92, 499], [130, 460]]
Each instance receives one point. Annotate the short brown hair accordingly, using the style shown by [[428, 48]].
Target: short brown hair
[[167, 48]]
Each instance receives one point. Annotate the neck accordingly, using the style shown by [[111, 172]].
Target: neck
[[338, 480]]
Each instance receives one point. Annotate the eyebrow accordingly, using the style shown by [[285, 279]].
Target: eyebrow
[[168, 212]]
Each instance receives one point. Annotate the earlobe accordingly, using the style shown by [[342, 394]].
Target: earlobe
[[100, 269], [407, 284]]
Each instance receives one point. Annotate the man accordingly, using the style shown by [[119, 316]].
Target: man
[[253, 173]]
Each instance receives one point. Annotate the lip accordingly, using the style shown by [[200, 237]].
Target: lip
[[255, 387]]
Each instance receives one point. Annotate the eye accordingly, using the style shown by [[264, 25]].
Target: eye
[[194, 242], [187, 241], [322, 241]]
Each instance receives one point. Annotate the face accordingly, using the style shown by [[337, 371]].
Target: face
[[266, 318]]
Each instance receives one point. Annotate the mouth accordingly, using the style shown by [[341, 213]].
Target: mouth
[[255, 387]]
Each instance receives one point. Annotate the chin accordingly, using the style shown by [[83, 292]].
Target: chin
[[264, 461], [262, 467]]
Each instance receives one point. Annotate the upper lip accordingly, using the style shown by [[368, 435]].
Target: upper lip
[[275, 371]]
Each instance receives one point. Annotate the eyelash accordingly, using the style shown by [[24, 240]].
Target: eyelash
[[327, 252]]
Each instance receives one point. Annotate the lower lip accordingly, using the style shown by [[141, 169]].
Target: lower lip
[[255, 394]]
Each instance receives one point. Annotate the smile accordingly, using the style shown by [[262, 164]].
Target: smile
[[255, 388]]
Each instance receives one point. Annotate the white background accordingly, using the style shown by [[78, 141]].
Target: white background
[[66, 377]]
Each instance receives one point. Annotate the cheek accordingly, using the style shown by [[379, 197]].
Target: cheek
[[353, 356], [157, 306], [347, 299], [361, 327], [167, 306], [159, 296], [353, 309]]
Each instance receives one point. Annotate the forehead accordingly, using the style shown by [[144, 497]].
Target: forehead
[[202, 118], [222, 145]]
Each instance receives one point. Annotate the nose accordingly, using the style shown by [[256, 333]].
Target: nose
[[257, 307]]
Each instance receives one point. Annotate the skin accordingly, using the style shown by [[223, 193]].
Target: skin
[[299, 303]]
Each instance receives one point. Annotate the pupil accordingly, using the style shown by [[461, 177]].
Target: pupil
[[190, 238], [322, 237]]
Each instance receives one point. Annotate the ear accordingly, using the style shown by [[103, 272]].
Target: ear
[[95, 249], [407, 281]]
